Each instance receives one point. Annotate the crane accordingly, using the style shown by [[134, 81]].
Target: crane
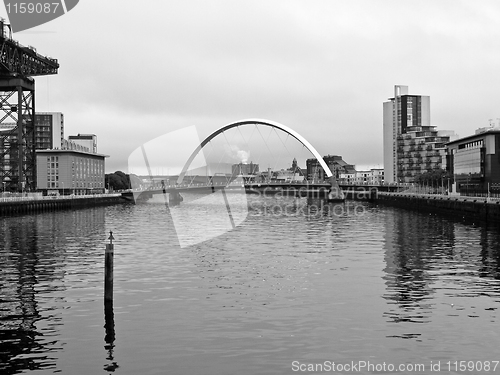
[[18, 64]]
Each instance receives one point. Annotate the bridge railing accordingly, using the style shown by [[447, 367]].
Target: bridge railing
[[231, 183]]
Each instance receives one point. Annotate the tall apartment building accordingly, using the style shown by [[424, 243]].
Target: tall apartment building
[[412, 146], [49, 130]]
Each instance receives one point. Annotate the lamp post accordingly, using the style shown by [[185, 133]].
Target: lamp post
[[5, 181], [63, 188], [468, 178], [466, 185]]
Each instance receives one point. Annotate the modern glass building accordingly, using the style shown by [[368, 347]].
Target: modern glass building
[[474, 162]]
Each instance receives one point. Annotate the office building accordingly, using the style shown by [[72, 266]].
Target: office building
[[69, 172], [412, 145], [474, 162]]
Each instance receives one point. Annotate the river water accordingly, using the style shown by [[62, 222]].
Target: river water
[[295, 288]]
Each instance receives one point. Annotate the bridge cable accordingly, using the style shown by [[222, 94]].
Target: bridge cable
[[265, 142], [284, 143]]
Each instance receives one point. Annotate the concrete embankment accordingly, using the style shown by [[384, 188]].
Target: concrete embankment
[[19, 206], [462, 208]]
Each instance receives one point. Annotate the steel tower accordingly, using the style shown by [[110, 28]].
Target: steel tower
[[18, 64]]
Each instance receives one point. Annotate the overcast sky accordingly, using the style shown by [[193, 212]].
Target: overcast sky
[[131, 71]]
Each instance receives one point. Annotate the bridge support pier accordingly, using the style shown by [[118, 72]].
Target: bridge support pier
[[336, 193], [175, 197]]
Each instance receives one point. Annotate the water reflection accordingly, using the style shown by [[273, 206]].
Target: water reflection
[[109, 337], [432, 262], [19, 311], [490, 252], [34, 259]]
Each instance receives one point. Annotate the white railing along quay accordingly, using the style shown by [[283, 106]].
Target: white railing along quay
[[37, 198], [464, 198]]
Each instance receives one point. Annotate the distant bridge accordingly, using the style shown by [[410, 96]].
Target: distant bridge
[[267, 188], [298, 188]]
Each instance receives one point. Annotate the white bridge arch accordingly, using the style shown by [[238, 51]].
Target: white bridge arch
[[272, 124]]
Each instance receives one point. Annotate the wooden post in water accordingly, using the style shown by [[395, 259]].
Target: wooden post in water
[[109, 317], [108, 269]]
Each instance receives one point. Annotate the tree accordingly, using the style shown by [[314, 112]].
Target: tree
[[433, 176], [436, 177], [117, 181]]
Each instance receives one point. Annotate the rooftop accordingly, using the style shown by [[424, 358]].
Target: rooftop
[[475, 136], [59, 151]]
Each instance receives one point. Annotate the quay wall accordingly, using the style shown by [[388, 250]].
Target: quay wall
[[462, 208], [21, 206]]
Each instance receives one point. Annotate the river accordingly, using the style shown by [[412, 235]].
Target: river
[[297, 287]]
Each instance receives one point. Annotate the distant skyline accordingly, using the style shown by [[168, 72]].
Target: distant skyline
[[133, 71]]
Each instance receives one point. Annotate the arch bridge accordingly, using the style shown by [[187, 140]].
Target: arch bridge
[[182, 186], [257, 122]]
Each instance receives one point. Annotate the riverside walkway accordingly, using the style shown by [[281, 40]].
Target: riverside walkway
[[35, 202], [475, 208]]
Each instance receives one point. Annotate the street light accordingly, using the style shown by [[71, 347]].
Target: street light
[[6, 180], [468, 178], [63, 187]]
